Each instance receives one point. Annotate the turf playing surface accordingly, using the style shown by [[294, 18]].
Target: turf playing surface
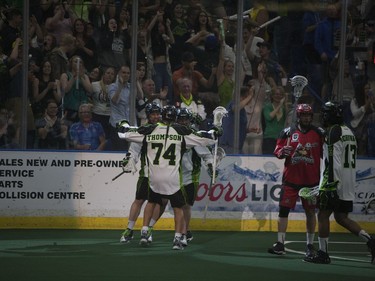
[[97, 255]]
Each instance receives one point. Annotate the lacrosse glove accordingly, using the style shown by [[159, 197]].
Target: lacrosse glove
[[328, 197], [217, 131], [122, 126], [286, 151]]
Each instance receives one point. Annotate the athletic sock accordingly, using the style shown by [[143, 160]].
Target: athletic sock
[[364, 235], [131, 224], [152, 222], [144, 228], [310, 238], [323, 244], [177, 235], [281, 237]]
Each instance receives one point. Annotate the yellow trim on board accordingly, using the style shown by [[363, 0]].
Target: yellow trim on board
[[162, 224]]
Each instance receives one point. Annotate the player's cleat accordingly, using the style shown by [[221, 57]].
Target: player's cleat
[[277, 249], [189, 236], [320, 257], [310, 251], [144, 237], [127, 236], [149, 239], [371, 247], [177, 245], [184, 241]]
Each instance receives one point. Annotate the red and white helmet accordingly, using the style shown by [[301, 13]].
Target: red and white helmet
[[304, 108]]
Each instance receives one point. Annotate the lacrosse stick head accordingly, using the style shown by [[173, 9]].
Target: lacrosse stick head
[[309, 192], [298, 82], [219, 113], [220, 154]]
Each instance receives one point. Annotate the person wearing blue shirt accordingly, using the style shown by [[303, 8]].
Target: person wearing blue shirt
[[87, 134]]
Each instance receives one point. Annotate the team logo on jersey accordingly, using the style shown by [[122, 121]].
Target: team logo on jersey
[[295, 137]]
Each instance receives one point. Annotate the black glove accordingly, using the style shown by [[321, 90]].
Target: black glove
[[125, 161], [197, 119], [218, 131], [122, 126], [328, 197]]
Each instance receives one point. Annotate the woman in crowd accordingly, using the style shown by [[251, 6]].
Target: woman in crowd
[[274, 114], [76, 87], [101, 109], [85, 45], [44, 89]]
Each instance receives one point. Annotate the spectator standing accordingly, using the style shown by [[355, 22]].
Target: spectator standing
[[254, 131], [87, 134], [58, 24], [227, 139], [76, 87], [119, 97], [161, 37], [114, 46], [51, 129], [325, 34], [59, 56], [11, 30], [361, 107], [224, 78], [101, 109], [44, 89], [274, 113], [187, 70], [85, 45], [180, 31]]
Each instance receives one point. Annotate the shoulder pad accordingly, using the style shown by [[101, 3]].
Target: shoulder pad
[[333, 134], [319, 130], [146, 129], [182, 130]]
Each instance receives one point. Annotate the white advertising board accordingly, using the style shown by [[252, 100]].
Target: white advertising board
[[74, 184]]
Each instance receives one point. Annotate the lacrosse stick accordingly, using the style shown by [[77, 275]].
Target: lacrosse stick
[[370, 207], [299, 83], [309, 192], [129, 167], [219, 113]]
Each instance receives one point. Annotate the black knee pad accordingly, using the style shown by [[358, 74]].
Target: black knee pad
[[283, 212]]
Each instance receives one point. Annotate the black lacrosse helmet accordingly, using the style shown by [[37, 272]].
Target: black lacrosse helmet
[[169, 113], [332, 114], [153, 107], [184, 113]]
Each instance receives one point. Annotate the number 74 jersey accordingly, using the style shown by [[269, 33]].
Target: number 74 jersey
[[163, 147]]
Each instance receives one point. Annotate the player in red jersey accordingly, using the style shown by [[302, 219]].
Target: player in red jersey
[[301, 147]]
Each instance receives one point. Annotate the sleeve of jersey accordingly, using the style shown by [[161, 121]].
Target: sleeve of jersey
[[204, 153], [195, 140], [281, 141], [135, 150]]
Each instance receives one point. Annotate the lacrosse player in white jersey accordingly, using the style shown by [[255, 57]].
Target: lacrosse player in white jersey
[[163, 146], [191, 168], [337, 182], [153, 112]]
